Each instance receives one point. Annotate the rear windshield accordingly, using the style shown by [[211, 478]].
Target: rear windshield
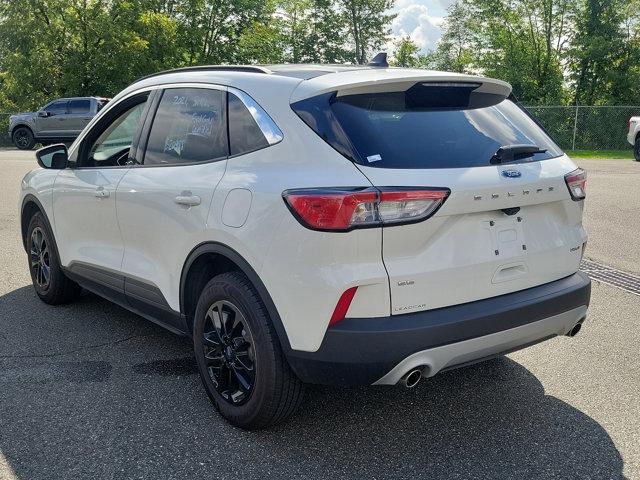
[[400, 130]]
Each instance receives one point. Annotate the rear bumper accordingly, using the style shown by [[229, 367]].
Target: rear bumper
[[362, 351]]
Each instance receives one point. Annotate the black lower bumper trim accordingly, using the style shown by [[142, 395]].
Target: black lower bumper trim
[[362, 350]]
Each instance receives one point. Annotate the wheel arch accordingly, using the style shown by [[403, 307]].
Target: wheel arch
[[212, 258], [30, 206], [22, 125]]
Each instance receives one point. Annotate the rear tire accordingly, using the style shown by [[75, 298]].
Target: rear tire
[[240, 361], [49, 281], [23, 138], [636, 149]]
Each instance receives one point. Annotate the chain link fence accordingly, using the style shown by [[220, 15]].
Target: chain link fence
[[587, 127]]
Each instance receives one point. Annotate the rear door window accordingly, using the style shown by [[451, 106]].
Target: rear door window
[[79, 106], [189, 126], [423, 130]]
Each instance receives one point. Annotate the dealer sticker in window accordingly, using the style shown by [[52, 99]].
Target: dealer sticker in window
[[374, 158]]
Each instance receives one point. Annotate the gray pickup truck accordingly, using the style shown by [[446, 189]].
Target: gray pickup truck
[[61, 120]]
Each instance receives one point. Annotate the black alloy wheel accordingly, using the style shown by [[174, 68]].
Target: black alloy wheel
[[242, 366], [229, 352], [23, 138]]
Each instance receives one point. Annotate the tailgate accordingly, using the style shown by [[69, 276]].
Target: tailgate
[[471, 249]]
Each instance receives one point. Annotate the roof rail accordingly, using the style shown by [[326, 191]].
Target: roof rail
[[206, 68]]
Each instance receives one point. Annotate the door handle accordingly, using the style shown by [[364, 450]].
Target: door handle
[[187, 199], [102, 193]]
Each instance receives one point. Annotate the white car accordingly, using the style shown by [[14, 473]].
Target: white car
[[310, 223], [633, 136]]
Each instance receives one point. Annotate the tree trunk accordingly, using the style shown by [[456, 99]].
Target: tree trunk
[[356, 32]]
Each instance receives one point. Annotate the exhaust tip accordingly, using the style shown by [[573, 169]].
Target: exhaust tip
[[412, 378], [574, 331]]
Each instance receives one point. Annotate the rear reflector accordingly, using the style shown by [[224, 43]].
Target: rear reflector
[[343, 209], [577, 184], [342, 306]]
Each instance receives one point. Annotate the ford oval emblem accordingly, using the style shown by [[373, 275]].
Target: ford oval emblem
[[511, 173]]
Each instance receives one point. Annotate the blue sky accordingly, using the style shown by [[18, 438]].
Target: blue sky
[[421, 20]]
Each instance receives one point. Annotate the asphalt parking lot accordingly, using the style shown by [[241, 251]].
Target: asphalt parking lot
[[90, 390]]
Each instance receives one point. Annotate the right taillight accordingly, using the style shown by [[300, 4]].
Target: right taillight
[[577, 184], [343, 209]]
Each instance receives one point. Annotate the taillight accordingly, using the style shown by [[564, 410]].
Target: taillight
[[343, 209], [577, 184], [407, 205]]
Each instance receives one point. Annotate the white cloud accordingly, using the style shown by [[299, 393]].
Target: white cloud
[[415, 20]]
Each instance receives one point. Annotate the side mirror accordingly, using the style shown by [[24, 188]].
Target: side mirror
[[55, 157], [44, 114]]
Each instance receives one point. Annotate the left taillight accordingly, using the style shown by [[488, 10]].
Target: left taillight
[[577, 184], [343, 209]]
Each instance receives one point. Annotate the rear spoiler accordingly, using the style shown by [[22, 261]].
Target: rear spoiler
[[377, 80]]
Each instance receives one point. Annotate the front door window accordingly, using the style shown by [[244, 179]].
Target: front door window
[[112, 147]]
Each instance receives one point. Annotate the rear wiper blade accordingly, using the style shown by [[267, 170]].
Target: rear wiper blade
[[509, 153]]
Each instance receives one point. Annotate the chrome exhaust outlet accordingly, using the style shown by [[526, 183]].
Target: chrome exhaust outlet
[[575, 329], [411, 378]]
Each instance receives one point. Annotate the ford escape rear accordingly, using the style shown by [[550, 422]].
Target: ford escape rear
[[321, 224]]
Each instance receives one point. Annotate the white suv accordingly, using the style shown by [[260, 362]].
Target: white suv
[[312, 223]]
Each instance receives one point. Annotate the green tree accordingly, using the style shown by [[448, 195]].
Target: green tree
[[551, 51], [263, 43], [78, 47], [604, 52], [296, 24], [520, 41], [406, 54], [368, 25], [327, 37], [211, 29], [455, 52], [52, 48], [55, 48], [314, 31]]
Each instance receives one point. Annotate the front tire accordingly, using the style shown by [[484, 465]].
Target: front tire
[[23, 138], [240, 361], [636, 149], [49, 281]]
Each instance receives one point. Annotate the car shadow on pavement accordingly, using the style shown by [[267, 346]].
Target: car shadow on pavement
[[90, 390], [490, 420]]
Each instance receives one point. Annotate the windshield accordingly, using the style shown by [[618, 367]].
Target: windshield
[[392, 130]]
